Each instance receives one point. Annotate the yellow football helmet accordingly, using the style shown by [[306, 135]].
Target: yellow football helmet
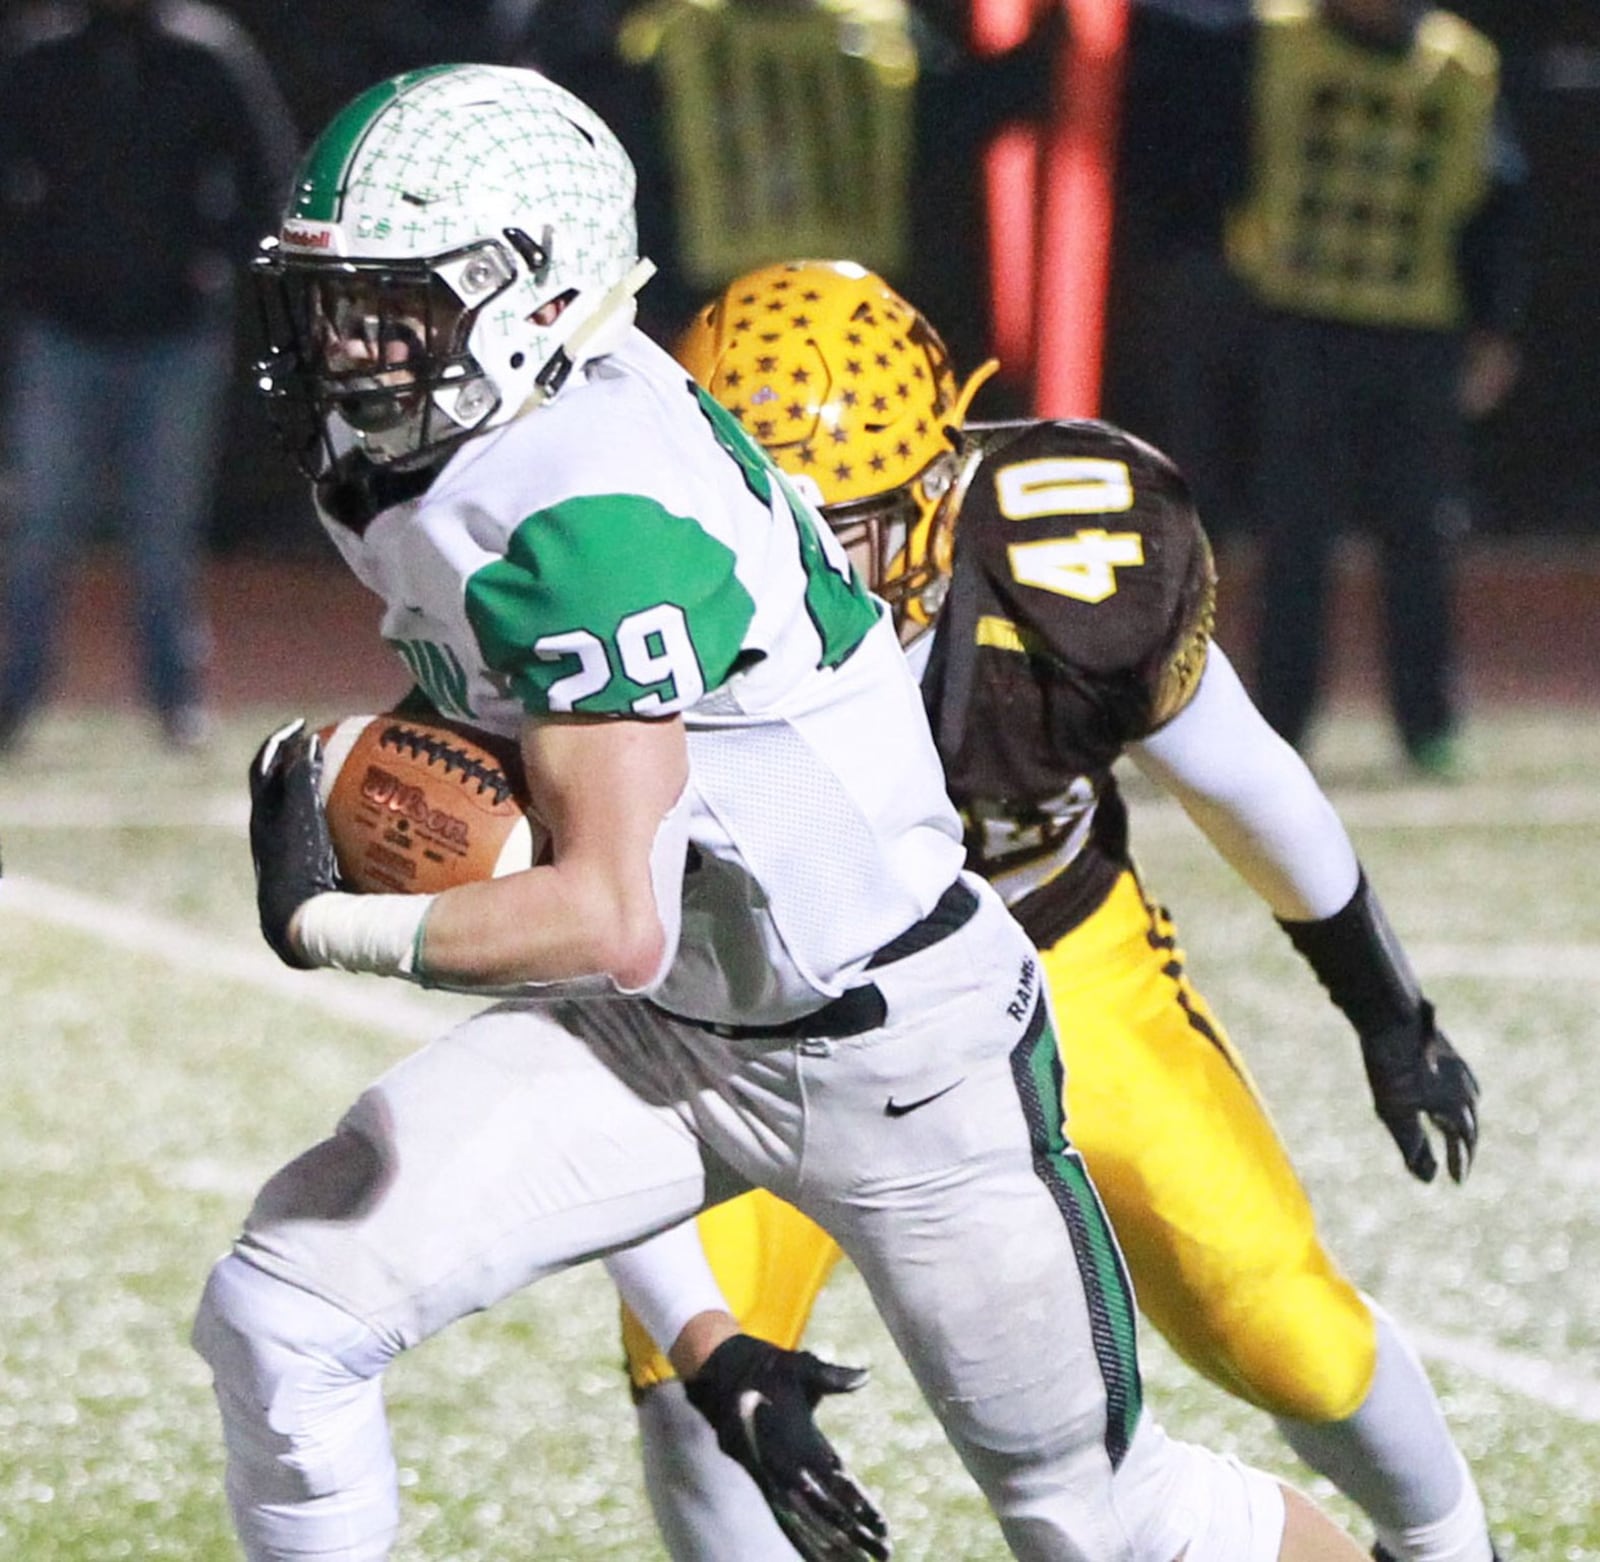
[[851, 392]]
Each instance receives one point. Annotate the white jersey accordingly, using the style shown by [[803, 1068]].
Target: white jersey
[[628, 551]]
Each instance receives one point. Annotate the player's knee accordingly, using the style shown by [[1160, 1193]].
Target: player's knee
[[1180, 1500], [1299, 1345], [285, 1364], [1313, 1351]]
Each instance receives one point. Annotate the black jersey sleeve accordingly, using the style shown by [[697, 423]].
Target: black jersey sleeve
[[1095, 567]]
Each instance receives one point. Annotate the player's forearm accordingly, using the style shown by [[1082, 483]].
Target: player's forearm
[[1253, 797], [533, 929], [698, 1340], [668, 1284], [1261, 807], [1358, 957], [549, 924]]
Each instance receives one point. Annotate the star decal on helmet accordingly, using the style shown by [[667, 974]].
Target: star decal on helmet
[[872, 413], [858, 362]]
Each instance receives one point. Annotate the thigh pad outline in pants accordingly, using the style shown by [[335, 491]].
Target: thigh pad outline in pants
[[507, 1149]]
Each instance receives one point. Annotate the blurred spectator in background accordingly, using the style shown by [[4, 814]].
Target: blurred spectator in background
[[358, 42], [760, 128], [765, 129], [1181, 362], [785, 128], [143, 150], [1378, 234], [965, 99], [1375, 214]]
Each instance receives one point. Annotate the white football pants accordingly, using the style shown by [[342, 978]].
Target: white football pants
[[534, 1137]]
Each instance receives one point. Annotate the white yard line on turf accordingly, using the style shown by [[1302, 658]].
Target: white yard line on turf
[[116, 812], [374, 1006], [1531, 1376], [361, 1001], [1548, 807], [1467, 807], [1572, 963]]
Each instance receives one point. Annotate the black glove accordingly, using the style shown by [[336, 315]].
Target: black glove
[[289, 840], [758, 1399], [1415, 1073]]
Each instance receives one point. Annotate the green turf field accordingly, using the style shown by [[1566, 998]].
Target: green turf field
[[159, 1064]]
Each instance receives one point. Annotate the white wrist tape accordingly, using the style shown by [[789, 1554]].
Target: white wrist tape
[[377, 933]]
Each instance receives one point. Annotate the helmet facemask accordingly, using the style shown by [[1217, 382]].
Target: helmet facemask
[[408, 304], [377, 355], [903, 541]]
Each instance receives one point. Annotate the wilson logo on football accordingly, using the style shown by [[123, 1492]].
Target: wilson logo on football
[[394, 796], [414, 807]]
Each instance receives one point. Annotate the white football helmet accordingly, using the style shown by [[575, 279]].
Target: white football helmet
[[459, 239]]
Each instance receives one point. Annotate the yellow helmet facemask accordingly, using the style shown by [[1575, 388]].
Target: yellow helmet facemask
[[850, 391]]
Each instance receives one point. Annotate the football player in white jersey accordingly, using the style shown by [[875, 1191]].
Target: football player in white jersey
[[1071, 586], [754, 959]]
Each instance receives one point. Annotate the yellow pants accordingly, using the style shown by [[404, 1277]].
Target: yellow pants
[[1216, 1228]]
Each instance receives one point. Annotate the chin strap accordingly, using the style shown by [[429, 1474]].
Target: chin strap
[[616, 301]]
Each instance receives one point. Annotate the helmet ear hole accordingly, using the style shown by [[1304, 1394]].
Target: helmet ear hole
[[550, 310]]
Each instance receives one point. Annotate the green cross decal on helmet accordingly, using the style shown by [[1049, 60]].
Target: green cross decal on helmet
[[459, 239]]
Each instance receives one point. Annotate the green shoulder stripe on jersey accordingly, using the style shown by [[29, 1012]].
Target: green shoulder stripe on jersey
[[1036, 1068], [610, 605], [320, 185], [837, 602]]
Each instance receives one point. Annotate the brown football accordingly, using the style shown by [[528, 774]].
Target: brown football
[[414, 808]]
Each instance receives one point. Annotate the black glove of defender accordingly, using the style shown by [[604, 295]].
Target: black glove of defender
[[289, 840], [1413, 1070], [1415, 1073], [758, 1399]]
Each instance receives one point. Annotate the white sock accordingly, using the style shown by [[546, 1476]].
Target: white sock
[[1395, 1459], [1458, 1536], [706, 1506]]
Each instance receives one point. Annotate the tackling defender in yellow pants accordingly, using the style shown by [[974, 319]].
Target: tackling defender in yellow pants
[[1215, 1226], [1073, 610]]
